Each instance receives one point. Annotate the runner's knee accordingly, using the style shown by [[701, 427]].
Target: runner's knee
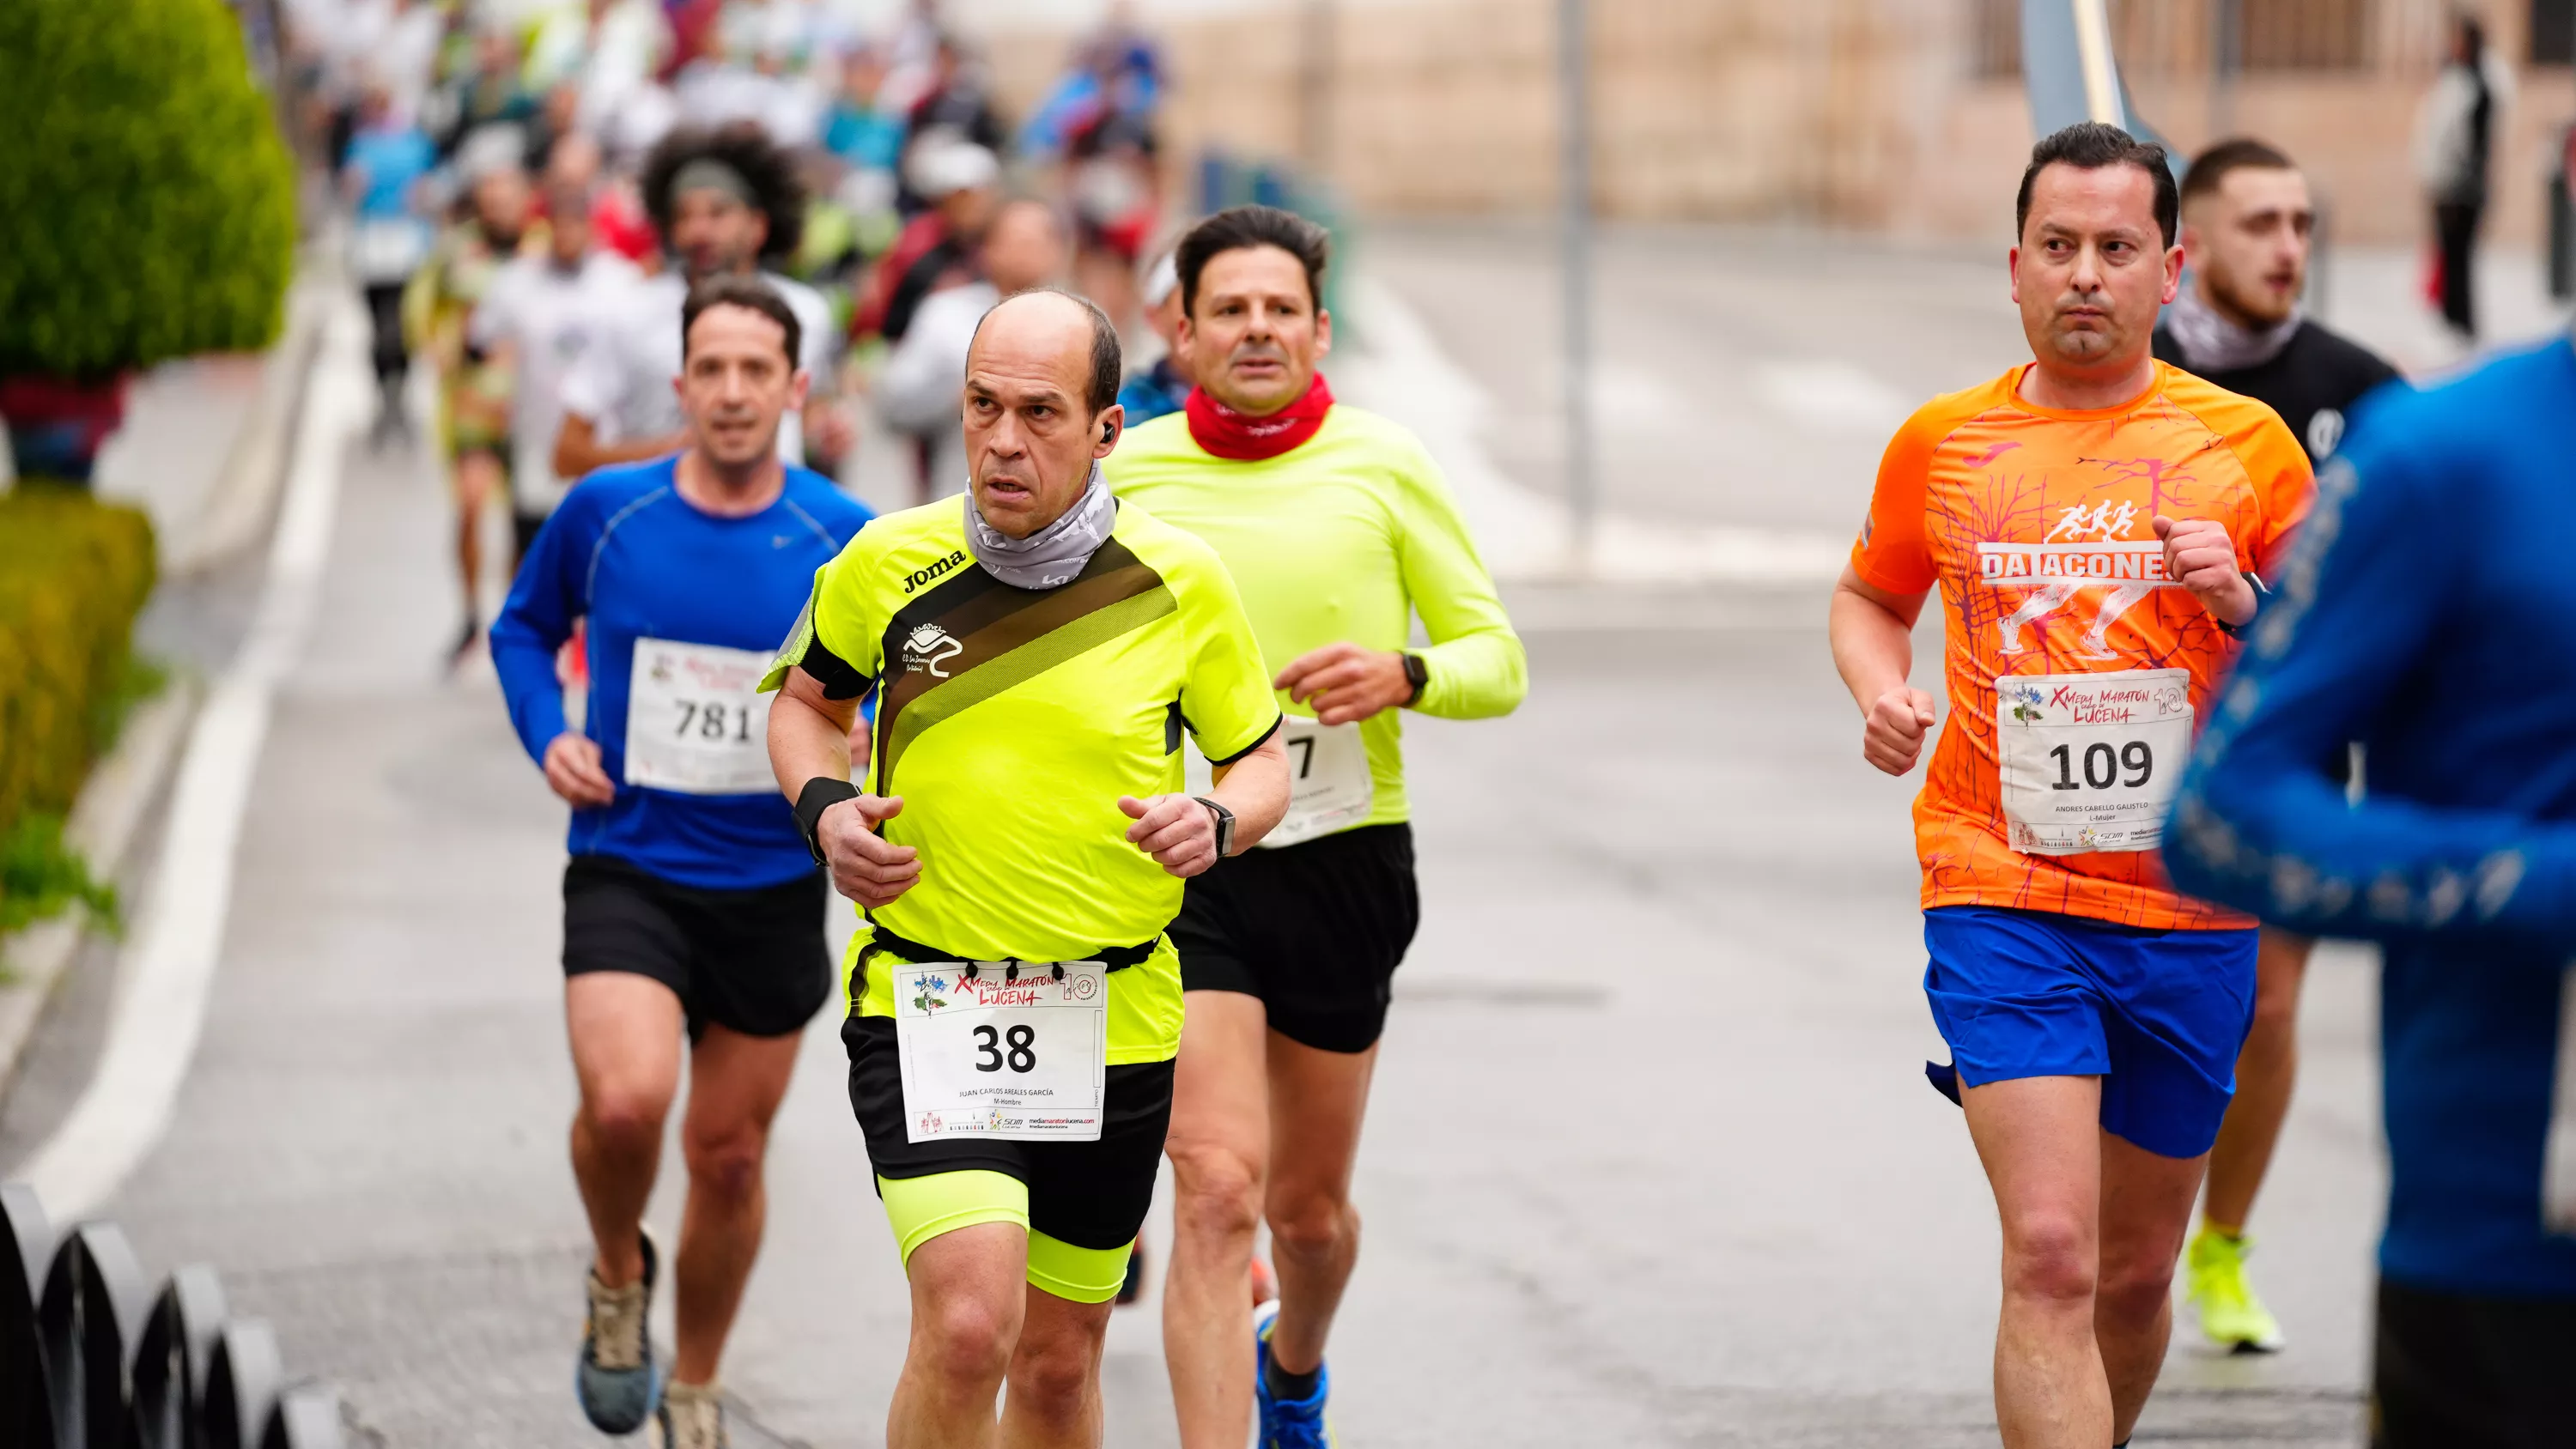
[[1218, 1192], [965, 1340], [1313, 1224], [625, 1117], [2135, 1290], [1054, 1376], [726, 1162], [2048, 1256]]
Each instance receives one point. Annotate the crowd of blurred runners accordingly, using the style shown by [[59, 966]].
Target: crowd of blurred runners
[[473, 139]]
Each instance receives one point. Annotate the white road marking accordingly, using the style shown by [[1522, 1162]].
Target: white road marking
[[1527, 537], [170, 966]]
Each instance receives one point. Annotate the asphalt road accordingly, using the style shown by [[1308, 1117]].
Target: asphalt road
[[1651, 1160]]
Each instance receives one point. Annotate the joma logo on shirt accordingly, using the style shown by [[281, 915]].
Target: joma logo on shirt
[[918, 577]]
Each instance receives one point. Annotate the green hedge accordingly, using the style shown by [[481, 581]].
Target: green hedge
[[147, 202], [73, 574]]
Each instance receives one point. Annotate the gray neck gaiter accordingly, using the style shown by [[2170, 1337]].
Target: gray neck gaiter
[[1053, 555], [2211, 343]]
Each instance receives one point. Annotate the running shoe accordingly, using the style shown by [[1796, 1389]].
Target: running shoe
[[616, 1379], [691, 1417], [1286, 1423], [2230, 1314]]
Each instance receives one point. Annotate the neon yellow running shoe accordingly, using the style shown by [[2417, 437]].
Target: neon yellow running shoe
[[2230, 1314]]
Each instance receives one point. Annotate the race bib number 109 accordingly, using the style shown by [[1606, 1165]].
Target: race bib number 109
[[2091, 761]]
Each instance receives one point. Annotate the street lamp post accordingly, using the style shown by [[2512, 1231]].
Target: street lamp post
[[1574, 90]]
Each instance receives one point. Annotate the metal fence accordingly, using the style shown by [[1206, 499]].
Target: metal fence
[[91, 1357]]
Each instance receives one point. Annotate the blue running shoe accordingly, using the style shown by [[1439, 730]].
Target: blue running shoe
[[615, 1378], [1286, 1423]]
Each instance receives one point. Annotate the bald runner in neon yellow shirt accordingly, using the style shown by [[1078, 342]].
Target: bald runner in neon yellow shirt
[[1339, 532]]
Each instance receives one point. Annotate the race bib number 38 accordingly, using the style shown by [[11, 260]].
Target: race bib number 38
[[696, 721], [993, 1056], [2091, 761]]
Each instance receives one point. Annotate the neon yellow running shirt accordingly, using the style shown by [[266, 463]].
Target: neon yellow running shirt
[[1344, 538], [1010, 722]]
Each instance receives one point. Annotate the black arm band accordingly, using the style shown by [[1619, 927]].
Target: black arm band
[[820, 794]]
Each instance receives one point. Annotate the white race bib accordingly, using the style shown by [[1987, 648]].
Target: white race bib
[[387, 249], [1329, 787], [696, 721], [2091, 761], [1020, 1060]]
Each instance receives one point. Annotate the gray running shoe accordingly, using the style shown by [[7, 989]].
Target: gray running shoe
[[692, 1417], [616, 1379]]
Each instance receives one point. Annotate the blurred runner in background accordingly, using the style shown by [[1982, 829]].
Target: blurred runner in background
[[963, 182], [692, 911], [916, 387], [2454, 150], [488, 95], [2410, 618], [723, 202], [473, 422], [388, 162], [534, 324], [2237, 322], [1164, 387]]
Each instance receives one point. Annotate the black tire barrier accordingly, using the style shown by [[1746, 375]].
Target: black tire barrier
[[91, 1358]]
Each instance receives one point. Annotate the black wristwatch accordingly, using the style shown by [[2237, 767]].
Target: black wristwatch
[[1417, 674], [1224, 819]]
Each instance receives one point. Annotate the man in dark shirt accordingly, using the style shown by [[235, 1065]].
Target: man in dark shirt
[[2246, 219]]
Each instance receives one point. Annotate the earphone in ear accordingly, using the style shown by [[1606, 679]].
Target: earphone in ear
[[1108, 430]]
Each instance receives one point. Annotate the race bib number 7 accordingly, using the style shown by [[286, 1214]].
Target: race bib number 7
[[1014, 1054], [2091, 761], [1329, 787]]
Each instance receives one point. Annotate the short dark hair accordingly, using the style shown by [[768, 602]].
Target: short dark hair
[[747, 151], [1108, 359], [2209, 170], [746, 292], [1239, 227], [2090, 146]]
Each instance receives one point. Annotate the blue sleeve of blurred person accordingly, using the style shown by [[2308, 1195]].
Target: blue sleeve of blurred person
[[1074, 99], [392, 160], [2385, 633], [545, 599]]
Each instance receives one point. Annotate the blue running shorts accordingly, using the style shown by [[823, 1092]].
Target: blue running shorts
[[2159, 1016]]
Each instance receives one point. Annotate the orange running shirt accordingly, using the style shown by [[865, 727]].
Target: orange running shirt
[[2037, 523]]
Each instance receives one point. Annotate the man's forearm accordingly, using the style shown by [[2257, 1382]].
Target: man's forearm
[[1255, 788], [1873, 649], [805, 742]]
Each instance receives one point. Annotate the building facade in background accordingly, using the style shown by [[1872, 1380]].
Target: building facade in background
[[1899, 115]]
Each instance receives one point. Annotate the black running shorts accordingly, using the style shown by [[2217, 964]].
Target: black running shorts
[[1315, 930], [2456, 1371], [1090, 1194], [750, 961]]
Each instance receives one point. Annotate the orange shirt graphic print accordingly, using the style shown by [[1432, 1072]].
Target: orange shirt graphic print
[[2037, 525]]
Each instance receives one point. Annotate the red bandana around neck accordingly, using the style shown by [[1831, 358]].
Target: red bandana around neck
[[1230, 434]]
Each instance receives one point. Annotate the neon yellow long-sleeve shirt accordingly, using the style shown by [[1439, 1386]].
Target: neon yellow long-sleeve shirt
[[1347, 537]]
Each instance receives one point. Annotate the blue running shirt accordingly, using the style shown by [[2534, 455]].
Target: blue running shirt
[[627, 551], [2423, 613]]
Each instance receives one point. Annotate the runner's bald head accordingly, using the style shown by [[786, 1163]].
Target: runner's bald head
[[1041, 406], [1061, 324]]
